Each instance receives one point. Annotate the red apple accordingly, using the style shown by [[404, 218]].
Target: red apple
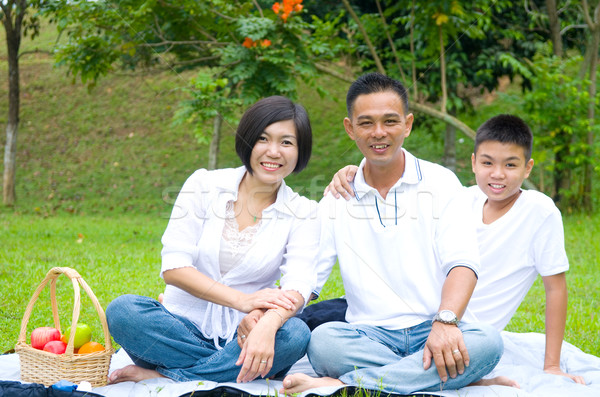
[[42, 335], [56, 347]]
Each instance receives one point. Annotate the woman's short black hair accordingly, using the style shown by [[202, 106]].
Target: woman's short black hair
[[266, 112]]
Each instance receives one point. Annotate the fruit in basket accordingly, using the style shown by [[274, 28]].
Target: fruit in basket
[[90, 347], [42, 335], [56, 347], [83, 334]]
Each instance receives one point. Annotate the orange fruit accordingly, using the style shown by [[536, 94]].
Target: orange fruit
[[90, 347]]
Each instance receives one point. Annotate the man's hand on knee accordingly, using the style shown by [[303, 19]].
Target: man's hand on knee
[[446, 347]]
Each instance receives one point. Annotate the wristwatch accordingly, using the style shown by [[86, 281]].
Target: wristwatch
[[446, 317]]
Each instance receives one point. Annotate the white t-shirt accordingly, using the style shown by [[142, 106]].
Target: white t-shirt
[[395, 253], [526, 241], [284, 247]]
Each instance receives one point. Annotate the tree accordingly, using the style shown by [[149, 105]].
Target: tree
[[249, 51], [475, 60], [17, 21], [593, 23], [578, 24]]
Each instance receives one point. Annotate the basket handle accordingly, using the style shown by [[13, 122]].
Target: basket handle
[[77, 280]]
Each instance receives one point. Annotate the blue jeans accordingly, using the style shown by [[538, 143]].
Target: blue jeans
[[156, 339], [375, 358]]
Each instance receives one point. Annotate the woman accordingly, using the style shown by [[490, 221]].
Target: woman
[[232, 234]]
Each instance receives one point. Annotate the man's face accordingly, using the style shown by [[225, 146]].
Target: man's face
[[379, 126]]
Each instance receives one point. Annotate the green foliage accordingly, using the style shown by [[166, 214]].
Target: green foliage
[[556, 108], [243, 53], [210, 98]]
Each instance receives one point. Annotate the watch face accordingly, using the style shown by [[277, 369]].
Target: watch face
[[447, 315]]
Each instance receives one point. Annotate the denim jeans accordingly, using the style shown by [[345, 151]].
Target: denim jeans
[[375, 358], [156, 339]]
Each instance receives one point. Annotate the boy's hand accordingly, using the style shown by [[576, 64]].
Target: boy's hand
[[447, 348], [340, 183], [558, 371]]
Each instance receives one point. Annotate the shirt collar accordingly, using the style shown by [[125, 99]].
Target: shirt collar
[[232, 185], [412, 175]]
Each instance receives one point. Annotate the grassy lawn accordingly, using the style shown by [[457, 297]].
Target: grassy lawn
[[118, 255]]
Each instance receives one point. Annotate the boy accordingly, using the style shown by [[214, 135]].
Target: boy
[[519, 232]]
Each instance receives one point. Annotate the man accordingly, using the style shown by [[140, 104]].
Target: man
[[408, 259]]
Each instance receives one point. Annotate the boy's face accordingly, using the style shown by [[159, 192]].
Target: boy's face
[[500, 169], [379, 126]]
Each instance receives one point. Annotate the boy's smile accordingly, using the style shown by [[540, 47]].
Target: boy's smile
[[500, 169]]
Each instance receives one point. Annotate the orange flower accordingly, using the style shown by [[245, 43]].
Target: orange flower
[[248, 42], [265, 43], [289, 6]]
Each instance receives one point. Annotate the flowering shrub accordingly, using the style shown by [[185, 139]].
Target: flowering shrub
[[248, 42], [288, 6]]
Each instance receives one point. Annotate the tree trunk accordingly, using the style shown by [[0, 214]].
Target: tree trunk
[[391, 41], [412, 52], [368, 42], [588, 171], [562, 173], [450, 147], [13, 41], [554, 28], [561, 176], [443, 70], [213, 151]]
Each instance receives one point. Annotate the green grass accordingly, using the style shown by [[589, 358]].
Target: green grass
[[121, 254], [107, 163], [113, 255]]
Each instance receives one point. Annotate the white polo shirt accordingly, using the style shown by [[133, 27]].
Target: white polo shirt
[[395, 253]]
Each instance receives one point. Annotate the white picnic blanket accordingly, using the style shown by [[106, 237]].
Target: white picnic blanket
[[522, 361]]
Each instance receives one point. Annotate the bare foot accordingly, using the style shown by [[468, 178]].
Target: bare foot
[[498, 380], [297, 383], [132, 373]]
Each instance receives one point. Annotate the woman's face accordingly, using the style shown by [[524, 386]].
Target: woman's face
[[275, 153]]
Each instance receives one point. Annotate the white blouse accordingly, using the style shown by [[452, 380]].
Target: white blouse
[[284, 247]]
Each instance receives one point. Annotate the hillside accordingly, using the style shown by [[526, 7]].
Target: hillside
[[113, 149]]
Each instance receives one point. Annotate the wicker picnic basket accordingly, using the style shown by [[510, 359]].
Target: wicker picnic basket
[[39, 366]]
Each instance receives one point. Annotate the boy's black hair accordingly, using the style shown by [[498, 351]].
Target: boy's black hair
[[371, 83], [506, 128], [266, 112]]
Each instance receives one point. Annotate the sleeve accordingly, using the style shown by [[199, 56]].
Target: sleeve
[[298, 269], [185, 224], [548, 246], [327, 251]]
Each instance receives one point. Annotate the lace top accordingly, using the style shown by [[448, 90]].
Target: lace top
[[234, 243]]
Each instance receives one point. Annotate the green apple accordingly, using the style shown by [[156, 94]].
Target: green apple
[[83, 334]]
